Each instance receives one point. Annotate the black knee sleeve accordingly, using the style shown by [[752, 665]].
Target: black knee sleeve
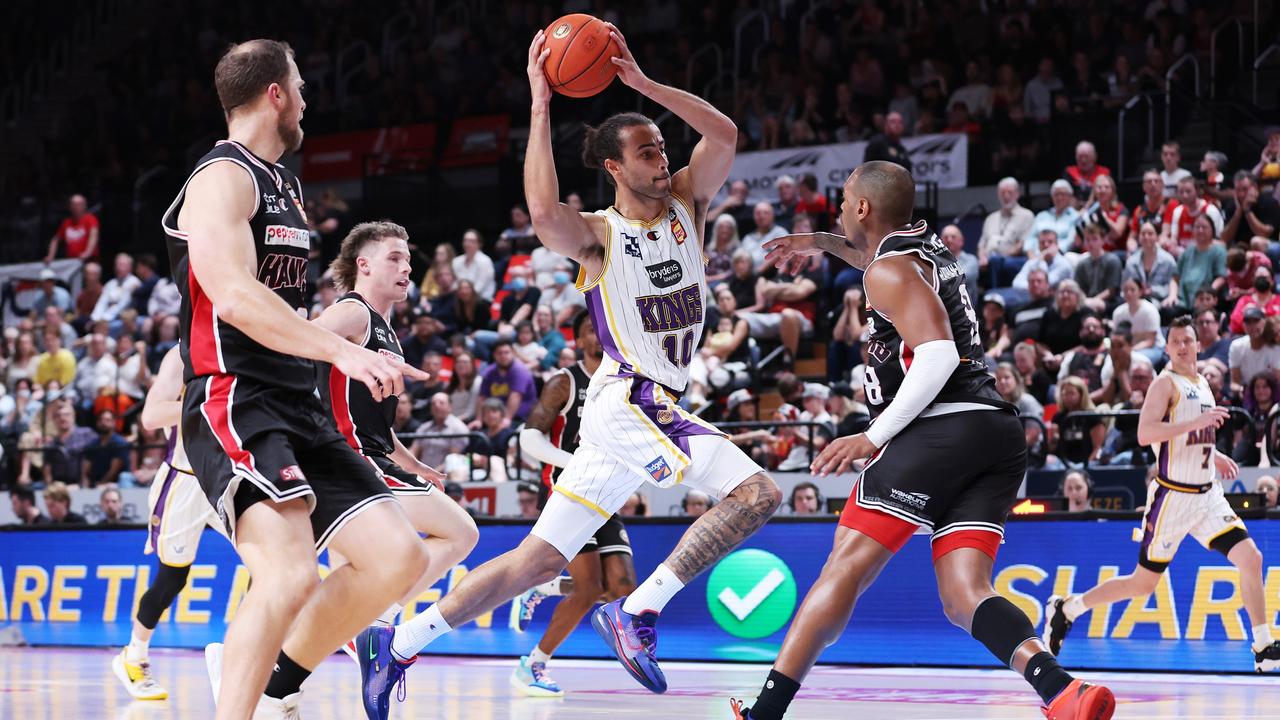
[[1228, 540], [1001, 626], [169, 582]]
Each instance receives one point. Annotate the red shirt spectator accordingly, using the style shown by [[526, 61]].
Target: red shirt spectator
[[1086, 170], [1263, 295], [1181, 216], [813, 203], [78, 233], [1242, 267]]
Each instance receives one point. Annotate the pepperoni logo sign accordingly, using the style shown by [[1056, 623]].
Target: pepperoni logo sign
[[285, 235]]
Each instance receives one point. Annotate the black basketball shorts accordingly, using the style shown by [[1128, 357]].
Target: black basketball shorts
[[610, 539], [249, 442], [956, 474], [399, 480]]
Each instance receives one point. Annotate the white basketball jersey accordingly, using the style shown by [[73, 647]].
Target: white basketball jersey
[[1187, 459], [647, 305]]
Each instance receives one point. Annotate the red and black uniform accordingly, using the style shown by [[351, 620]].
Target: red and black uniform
[[611, 538], [251, 413], [365, 423], [929, 474]]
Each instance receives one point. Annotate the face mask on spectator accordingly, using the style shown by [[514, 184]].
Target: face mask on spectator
[[560, 277], [1262, 284], [24, 393], [518, 284]]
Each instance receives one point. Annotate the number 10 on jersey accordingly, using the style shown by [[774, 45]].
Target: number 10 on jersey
[[684, 345]]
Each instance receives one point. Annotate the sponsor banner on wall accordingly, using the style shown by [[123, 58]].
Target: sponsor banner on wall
[[340, 156], [81, 588], [943, 159]]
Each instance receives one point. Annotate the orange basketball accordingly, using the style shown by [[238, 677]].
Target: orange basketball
[[581, 51]]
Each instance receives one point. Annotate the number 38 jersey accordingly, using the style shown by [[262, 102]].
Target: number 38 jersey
[[889, 356], [646, 305]]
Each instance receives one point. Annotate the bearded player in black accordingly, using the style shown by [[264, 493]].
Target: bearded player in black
[[373, 268], [933, 403], [263, 448]]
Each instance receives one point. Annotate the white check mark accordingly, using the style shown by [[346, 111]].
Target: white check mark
[[741, 607]]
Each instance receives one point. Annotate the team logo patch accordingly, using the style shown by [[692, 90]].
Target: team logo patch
[[666, 274], [878, 351], [678, 231], [561, 30], [658, 469], [292, 473], [631, 246], [665, 416]]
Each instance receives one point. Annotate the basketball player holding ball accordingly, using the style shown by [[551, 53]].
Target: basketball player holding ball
[[640, 257]]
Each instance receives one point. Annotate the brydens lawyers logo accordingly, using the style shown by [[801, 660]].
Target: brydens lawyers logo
[[285, 235], [666, 274]]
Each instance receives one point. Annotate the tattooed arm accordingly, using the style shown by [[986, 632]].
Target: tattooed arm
[[790, 252]]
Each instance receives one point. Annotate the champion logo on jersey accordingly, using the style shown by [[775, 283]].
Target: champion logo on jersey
[[654, 235], [658, 469], [631, 245]]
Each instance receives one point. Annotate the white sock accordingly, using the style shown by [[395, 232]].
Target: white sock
[[552, 588], [1261, 636], [416, 634], [654, 593], [388, 618], [538, 656], [1074, 607], [137, 649]]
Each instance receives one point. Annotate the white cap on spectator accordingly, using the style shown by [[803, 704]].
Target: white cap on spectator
[[737, 397], [814, 390]]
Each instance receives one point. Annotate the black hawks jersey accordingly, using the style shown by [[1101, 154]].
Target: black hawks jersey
[[889, 356], [365, 424], [211, 346], [564, 433]]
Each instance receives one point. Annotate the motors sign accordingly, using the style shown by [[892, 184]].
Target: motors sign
[[943, 159]]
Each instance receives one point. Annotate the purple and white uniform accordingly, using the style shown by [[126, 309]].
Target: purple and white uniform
[[178, 508], [648, 311], [1185, 497]]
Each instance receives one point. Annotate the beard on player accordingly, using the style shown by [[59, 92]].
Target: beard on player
[[289, 127]]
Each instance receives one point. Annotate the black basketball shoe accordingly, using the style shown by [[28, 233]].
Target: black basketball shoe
[[1056, 624]]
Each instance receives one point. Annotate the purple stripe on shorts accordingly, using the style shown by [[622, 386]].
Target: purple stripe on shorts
[[157, 512], [595, 308], [173, 445], [1153, 519], [666, 417]]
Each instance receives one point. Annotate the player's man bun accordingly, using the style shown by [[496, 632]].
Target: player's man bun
[[604, 141]]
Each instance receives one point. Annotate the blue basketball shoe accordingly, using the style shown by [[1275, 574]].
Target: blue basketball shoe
[[634, 639], [380, 671]]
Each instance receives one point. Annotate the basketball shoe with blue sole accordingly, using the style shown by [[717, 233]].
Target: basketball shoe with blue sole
[[634, 640], [380, 671]]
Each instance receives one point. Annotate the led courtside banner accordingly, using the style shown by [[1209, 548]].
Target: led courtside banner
[[79, 588]]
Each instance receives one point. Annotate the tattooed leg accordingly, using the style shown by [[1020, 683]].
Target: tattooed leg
[[724, 527]]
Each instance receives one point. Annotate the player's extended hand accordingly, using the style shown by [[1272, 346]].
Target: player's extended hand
[[789, 253], [432, 475], [1213, 417], [628, 69], [1227, 468], [839, 454], [538, 85]]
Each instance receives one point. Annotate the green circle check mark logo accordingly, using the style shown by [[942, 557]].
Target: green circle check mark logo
[[751, 594]]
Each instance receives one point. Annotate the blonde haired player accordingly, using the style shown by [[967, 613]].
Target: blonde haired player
[[644, 279], [1179, 419], [178, 512]]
